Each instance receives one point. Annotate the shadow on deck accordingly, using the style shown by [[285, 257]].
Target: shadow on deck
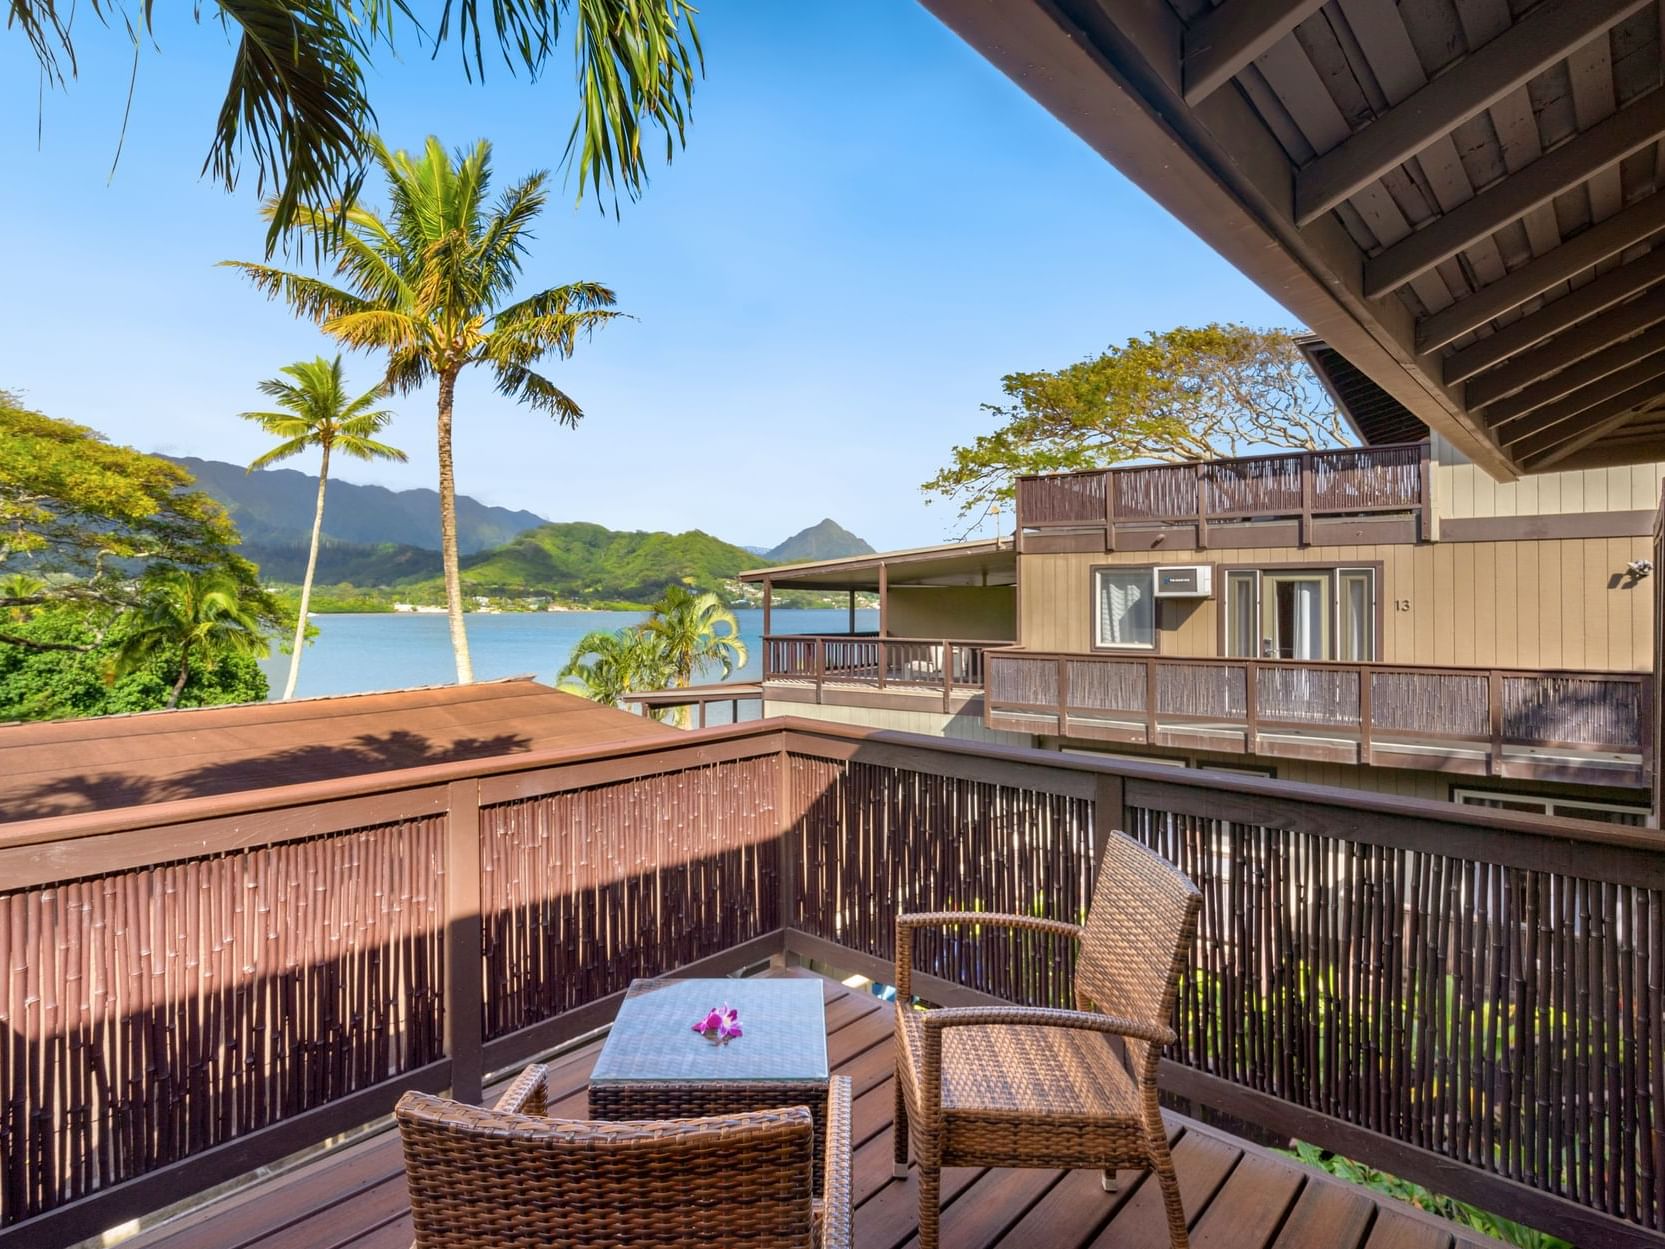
[[1236, 1194]]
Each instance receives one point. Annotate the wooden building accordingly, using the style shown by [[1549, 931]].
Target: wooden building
[[1386, 617]]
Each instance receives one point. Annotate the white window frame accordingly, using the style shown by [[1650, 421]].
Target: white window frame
[[1567, 808], [1334, 573], [1148, 571]]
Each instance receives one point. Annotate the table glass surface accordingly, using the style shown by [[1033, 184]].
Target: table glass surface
[[783, 1023]]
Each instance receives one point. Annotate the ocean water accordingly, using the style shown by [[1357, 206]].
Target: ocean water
[[356, 653]]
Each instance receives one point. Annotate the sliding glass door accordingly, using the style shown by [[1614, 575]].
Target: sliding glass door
[[1295, 615], [1301, 614]]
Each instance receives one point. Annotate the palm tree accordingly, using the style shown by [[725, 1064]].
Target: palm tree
[[199, 615], [606, 666], [19, 592], [317, 413], [429, 284], [298, 103], [695, 630]]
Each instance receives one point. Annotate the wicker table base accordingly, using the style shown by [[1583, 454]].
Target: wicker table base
[[654, 1066]]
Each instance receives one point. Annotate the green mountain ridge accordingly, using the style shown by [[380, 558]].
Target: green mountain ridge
[[824, 540]]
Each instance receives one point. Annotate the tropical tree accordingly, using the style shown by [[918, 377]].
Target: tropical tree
[[316, 413], [694, 630], [430, 283], [23, 593], [200, 617], [86, 519], [298, 103], [604, 666], [1190, 393]]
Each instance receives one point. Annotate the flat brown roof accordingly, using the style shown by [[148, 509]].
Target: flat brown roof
[[987, 561], [64, 767]]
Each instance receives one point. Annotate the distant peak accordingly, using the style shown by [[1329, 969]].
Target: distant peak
[[826, 539]]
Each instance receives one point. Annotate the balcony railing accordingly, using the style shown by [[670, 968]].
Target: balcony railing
[[1467, 997], [1302, 485], [1544, 725], [946, 665]]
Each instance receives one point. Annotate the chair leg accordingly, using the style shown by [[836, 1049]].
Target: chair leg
[[1110, 1181], [930, 1205], [1178, 1238], [899, 1132]]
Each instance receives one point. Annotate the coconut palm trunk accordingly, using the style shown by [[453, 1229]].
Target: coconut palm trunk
[[306, 582], [448, 530], [179, 681]]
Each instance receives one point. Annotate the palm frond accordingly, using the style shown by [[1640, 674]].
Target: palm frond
[[311, 299], [539, 393]]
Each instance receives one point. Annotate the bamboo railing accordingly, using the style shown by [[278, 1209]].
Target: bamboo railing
[[947, 665], [1468, 997], [1380, 714]]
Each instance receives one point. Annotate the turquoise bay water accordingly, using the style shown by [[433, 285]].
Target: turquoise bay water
[[355, 653]]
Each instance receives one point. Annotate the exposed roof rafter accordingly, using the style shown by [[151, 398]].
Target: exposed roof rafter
[[1528, 331], [1579, 343], [1506, 413], [1628, 130], [1556, 444], [1642, 377], [1582, 251], [1522, 51], [1225, 39]]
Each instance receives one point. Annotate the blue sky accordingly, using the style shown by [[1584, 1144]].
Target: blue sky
[[870, 226]]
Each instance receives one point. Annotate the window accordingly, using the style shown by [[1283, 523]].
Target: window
[[1310, 614], [1567, 808], [1125, 606]]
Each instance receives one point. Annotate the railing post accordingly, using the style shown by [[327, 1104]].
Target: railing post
[[1109, 808], [1109, 511], [947, 674], [1425, 476], [1365, 749], [464, 950], [1150, 701], [1202, 505], [1251, 707], [1063, 696], [882, 659], [1494, 700], [1306, 498], [820, 645]]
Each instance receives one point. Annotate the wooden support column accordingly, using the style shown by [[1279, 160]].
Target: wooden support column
[[1202, 506], [464, 994], [1306, 498], [768, 602], [884, 600], [1425, 469], [947, 675], [852, 613]]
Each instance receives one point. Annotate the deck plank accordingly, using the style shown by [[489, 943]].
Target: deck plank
[[1237, 1196]]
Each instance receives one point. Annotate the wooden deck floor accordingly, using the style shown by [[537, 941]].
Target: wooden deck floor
[[1237, 1196]]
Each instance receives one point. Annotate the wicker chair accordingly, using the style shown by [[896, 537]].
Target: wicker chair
[[1009, 1086], [511, 1177]]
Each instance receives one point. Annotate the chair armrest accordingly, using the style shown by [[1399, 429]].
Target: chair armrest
[[906, 924], [838, 1213], [527, 1095], [1043, 1017]]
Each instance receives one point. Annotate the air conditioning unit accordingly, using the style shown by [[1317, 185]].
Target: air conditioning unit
[[1185, 581]]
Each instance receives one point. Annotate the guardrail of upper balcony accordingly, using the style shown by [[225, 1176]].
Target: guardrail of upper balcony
[[1344, 481], [1139, 697]]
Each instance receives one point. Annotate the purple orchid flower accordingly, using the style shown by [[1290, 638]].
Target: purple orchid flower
[[719, 1025]]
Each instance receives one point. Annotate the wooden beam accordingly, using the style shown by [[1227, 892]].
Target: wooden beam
[[884, 599], [1225, 39], [1556, 444], [1629, 130], [1630, 225], [1524, 433], [1590, 339], [1586, 301], [1613, 451], [1474, 84], [1509, 412]]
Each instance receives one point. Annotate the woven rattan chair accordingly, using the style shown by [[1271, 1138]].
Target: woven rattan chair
[[1010, 1086], [511, 1177]]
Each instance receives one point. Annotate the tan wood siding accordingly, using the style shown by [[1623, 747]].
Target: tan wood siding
[[974, 613], [1549, 604], [1463, 490]]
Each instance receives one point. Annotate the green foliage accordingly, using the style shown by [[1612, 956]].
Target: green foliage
[[1446, 1207], [606, 666], [191, 621], [430, 285], [298, 103], [86, 518], [76, 676], [1187, 394], [585, 562], [696, 632]]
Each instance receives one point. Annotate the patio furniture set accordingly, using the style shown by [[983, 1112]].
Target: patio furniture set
[[697, 1137]]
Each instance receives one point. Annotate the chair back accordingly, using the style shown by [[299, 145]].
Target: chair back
[[482, 1177], [1138, 936]]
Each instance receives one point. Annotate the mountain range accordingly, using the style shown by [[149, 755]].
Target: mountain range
[[378, 537]]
